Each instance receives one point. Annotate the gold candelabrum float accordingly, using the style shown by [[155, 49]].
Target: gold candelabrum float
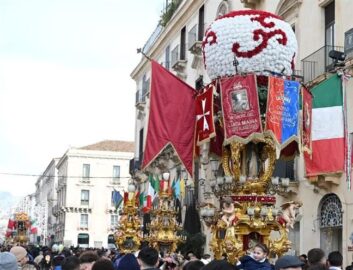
[[128, 236], [245, 187], [164, 231], [20, 229]]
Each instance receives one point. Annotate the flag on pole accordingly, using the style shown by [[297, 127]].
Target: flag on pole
[[148, 198], [116, 198], [282, 111], [182, 188], [176, 188], [327, 129], [154, 182], [205, 128], [11, 224], [171, 117]]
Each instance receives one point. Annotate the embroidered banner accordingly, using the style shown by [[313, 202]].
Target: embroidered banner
[[307, 105], [171, 118], [240, 104], [205, 128], [282, 110]]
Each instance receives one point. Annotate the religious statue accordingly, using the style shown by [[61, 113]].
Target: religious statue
[[228, 211], [289, 212], [252, 161]]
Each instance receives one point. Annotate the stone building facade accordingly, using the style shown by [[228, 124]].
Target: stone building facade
[[320, 26]]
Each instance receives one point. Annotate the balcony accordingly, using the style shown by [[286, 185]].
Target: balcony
[[178, 64], [169, 12], [195, 47], [141, 95], [115, 181], [135, 165], [140, 100], [318, 63], [85, 180]]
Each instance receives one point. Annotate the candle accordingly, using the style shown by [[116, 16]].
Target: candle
[[275, 180], [229, 179]]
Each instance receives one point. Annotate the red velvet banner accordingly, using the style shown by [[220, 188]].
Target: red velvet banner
[[171, 117], [240, 106], [205, 128]]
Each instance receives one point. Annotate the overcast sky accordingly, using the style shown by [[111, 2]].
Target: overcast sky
[[65, 78]]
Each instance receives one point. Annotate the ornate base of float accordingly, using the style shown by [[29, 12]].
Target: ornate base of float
[[248, 215], [163, 229], [254, 220], [129, 235]]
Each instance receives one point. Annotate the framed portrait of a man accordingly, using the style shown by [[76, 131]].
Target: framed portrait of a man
[[240, 101]]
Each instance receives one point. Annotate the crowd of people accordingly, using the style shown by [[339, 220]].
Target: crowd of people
[[60, 258]]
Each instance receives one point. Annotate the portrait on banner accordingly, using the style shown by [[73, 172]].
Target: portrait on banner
[[239, 101]]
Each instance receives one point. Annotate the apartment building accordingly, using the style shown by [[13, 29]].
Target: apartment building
[[87, 176], [320, 27]]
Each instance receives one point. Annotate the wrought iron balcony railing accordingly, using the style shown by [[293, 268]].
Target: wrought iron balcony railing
[[318, 62]]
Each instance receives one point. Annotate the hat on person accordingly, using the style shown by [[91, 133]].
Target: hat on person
[[287, 261], [19, 252], [8, 261]]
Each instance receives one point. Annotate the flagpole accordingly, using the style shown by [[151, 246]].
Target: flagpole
[[139, 50]]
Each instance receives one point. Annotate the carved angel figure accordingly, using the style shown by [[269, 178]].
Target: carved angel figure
[[289, 212], [228, 211]]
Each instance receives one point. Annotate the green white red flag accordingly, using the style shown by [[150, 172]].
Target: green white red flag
[[328, 140]]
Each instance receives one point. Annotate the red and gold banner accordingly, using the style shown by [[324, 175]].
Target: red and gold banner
[[171, 118], [240, 106], [205, 128], [307, 105]]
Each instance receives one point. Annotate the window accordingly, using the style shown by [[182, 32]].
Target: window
[[223, 9], [284, 169], [111, 241], [330, 222], [84, 197], [113, 220], [116, 174], [84, 221], [111, 199], [201, 23], [167, 57], [83, 240], [141, 145], [329, 32], [330, 24], [199, 83], [85, 170], [183, 43]]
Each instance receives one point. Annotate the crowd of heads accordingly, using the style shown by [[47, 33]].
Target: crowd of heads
[[31, 258]]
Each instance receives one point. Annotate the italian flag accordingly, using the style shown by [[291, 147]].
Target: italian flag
[[328, 142], [146, 198]]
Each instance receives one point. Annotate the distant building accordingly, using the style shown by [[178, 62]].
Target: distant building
[[87, 176], [26, 205], [45, 195]]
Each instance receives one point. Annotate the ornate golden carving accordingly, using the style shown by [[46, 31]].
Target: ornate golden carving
[[128, 236], [252, 216], [163, 228]]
